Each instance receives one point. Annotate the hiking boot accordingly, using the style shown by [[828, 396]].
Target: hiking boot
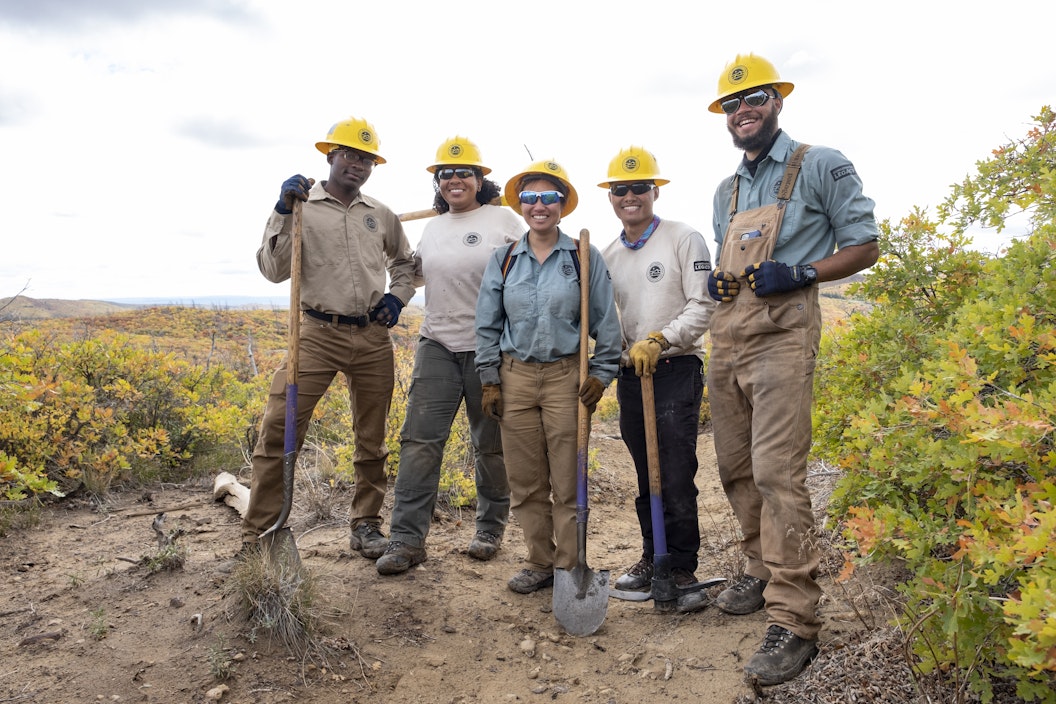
[[528, 581], [639, 575], [230, 564], [693, 601], [683, 578], [368, 541], [484, 545], [399, 557], [782, 656], [744, 596]]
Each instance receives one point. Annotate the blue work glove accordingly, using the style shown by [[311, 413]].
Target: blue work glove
[[387, 311], [770, 277], [722, 286], [293, 187]]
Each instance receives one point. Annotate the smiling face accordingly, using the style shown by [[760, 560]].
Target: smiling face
[[460, 191], [752, 129], [542, 219], [635, 211]]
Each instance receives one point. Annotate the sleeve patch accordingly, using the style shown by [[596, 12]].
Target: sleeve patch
[[843, 171], [702, 266]]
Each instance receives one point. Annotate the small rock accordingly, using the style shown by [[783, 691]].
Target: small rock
[[216, 693], [176, 602], [528, 647]]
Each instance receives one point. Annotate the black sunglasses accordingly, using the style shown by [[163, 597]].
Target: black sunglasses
[[755, 100], [446, 174], [620, 189]]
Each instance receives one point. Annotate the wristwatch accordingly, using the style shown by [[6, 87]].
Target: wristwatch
[[810, 274]]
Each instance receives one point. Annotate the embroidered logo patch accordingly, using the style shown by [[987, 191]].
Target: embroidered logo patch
[[776, 188], [843, 171], [568, 271], [371, 223], [655, 272], [472, 239], [702, 266]]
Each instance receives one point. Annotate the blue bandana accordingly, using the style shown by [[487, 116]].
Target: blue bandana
[[645, 235]]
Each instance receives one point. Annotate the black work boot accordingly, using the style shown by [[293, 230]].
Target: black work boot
[[399, 557], [638, 576], [782, 656]]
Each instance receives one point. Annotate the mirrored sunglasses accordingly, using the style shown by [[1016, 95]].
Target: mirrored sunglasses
[[447, 174], [754, 100], [620, 189], [548, 197]]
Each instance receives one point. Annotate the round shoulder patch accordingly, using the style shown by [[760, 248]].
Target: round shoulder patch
[[655, 272]]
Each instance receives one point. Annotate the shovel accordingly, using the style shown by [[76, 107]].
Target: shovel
[[664, 592], [581, 597], [278, 540]]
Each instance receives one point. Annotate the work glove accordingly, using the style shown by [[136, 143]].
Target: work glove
[[387, 311], [295, 187], [722, 286], [770, 277], [590, 392], [491, 401], [645, 353]]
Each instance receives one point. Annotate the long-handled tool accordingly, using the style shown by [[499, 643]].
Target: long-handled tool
[[581, 596], [664, 592], [278, 539], [429, 213]]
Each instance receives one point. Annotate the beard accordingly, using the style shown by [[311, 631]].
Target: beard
[[761, 139]]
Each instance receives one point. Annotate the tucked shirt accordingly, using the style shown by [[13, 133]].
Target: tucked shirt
[[534, 315], [450, 261], [345, 253], [663, 287], [827, 209]]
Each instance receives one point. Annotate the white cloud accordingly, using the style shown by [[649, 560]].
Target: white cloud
[[144, 143]]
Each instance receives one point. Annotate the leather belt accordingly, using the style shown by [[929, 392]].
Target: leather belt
[[360, 321]]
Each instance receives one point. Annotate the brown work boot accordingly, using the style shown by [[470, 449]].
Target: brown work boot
[[528, 581], [683, 578], [484, 545], [782, 656], [638, 576], [399, 557], [368, 541], [230, 564], [744, 596]]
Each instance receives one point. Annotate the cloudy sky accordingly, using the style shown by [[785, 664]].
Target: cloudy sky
[[143, 142]]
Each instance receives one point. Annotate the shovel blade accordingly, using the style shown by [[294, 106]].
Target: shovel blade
[[581, 599], [281, 550]]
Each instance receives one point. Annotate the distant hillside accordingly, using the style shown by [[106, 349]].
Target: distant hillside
[[23, 308]]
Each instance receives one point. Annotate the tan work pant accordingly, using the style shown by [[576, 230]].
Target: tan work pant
[[365, 357], [539, 430], [760, 387]]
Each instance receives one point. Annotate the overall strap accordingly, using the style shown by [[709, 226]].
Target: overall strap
[[788, 180]]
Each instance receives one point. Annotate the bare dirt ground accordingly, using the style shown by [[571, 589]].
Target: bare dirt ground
[[82, 620]]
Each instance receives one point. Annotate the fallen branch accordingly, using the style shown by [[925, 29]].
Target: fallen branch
[[30, 640], [177, 507], [227, 488]]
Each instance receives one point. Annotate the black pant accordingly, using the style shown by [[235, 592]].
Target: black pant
[[678, 387]]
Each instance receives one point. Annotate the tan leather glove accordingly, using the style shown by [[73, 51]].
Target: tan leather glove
[[645, 353], [590, 392], [491, 401]]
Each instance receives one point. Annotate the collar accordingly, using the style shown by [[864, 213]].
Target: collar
[[645, 235]]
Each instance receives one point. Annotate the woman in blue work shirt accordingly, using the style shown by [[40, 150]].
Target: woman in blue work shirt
[[528, 358]]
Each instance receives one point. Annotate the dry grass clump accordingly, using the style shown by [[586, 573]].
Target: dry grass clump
[[279, 599]]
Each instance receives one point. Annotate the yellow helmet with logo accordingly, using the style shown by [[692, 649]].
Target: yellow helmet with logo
[[458, 151], [746, 72], [353, 132], [634, 164], [549, 169]]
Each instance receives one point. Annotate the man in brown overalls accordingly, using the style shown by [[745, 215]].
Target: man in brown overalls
[[791, 216]]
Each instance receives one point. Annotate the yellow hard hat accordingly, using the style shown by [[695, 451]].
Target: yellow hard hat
[[353, 132], [549, 169], [458, 151], [634, 164], [746, 72]]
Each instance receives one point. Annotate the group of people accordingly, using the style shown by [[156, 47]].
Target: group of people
[[501, 332]]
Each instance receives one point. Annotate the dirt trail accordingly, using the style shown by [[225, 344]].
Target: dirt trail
[[82, 622]]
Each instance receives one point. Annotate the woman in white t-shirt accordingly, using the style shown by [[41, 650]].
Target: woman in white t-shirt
[[454, 249]]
